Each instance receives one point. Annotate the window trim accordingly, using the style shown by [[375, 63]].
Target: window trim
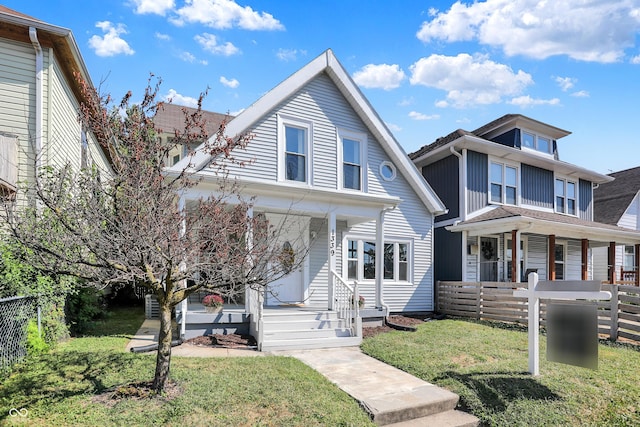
[[362, 139], [391, 167], [565, 253], [566, 198], [361, 239], [283, 122], [503, 184]]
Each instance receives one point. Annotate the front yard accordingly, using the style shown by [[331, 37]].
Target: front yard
[[484, 363]]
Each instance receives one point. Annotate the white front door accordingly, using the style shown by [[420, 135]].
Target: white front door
[[293, 236]]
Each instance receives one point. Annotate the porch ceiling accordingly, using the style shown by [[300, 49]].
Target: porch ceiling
[[503, 219]]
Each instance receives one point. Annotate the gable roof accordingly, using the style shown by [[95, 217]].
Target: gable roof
[[612, 199], [170, 117], [328, 63]]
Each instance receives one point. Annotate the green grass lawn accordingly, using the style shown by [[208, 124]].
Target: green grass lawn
[[486, 364], [60, 388]]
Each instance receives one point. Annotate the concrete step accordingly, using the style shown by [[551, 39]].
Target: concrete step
[[410, 404], [283, 325], [309, 343], [298, 315], [306, 333], [452, 418]]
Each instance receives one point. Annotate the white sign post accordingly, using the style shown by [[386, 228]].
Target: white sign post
[[555, 290]]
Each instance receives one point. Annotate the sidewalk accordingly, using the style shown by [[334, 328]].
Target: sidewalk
[[148, 334]]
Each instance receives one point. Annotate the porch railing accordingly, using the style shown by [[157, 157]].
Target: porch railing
[[346, 303]]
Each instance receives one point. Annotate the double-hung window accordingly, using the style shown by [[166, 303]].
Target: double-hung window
[[504, 183], [295, 150], [565, 196], [361, 260], [352, 160]]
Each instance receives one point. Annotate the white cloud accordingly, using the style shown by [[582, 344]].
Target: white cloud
[[209, 42], [527, 101], [233, 83], [187, 57], [175, 98], [598, 30], [581, 94], [407, 101], [289, 54], [420, 116], [161, 36], [225, 14], [565, 83], [468, 80], [382, 76], [111, 43], [635, 60], [393, 127], [157, 7]]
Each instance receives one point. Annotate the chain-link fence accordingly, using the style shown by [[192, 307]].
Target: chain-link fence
[[15, 314]]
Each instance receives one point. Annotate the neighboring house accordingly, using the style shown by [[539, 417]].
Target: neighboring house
[[514, 206], [39, 101], [323, 160], [618, 203]]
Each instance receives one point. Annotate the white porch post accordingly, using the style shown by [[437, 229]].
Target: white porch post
[[516, 255], [465, 247], [183, 304], [332, 244], [379, 257], [249, 241]]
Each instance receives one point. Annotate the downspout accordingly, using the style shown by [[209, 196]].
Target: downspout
[[33, 36], [379, 260]]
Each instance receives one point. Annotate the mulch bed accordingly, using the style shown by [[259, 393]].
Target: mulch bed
[[408, 321], [225, 341], [137, 391]]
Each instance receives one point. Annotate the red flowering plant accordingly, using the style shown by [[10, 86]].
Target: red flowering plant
[[212, 300], [360, 300]]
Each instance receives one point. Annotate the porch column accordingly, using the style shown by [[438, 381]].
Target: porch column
[[249, 241], [636, 266], [379, 257], [585, 259], [332, 244], [515, 256], [464, 261], [552, 257], [611, 262]]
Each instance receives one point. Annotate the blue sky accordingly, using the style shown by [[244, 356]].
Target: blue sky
[[427, 67]]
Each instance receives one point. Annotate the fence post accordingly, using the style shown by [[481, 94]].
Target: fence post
[[613, 333], [478, 300]]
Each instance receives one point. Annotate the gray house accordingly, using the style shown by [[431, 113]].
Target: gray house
[[618, 203], [322, 161], [514, 206]]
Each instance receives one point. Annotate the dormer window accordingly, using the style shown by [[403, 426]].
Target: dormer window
[[536, 142]]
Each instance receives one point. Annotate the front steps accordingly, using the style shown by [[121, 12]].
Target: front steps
[[304, 329]]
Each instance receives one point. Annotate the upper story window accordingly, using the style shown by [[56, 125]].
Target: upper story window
[[295, 150], [565, 196], [504, 183], [537, 142], [353, 159]]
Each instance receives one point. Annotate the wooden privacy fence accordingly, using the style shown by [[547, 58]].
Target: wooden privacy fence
[[617, 318]]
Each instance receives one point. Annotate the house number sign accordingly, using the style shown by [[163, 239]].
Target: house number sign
[[332, 243]]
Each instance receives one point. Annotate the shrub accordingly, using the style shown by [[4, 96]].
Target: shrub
[[82, 308], [35, 342]]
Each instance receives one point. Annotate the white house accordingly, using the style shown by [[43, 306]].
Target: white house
[[322, 156]]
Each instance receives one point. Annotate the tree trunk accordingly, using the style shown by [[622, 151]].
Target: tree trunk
[[163, 357]]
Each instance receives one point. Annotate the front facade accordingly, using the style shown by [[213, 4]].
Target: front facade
[[323, 161], [618, 203], [39, 101], [514, 206]]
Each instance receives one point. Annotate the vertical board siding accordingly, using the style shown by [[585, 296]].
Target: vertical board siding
[[444, 178], [537, 187], [477, 181], [585, 200], [447, 258]]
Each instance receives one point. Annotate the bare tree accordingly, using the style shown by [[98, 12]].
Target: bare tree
[[129, 226]]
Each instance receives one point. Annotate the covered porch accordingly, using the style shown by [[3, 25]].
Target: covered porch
[[314, 305], [504, 244]]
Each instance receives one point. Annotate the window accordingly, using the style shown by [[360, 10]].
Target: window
[[559, 261], [565, 196], [295, 154], [629, 260], [504, 183], [352, 160], [536, 142], [294, 141], [361, 260], [387, 171], [509, 257]]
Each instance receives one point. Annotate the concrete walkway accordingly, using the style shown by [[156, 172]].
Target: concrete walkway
[[391, 396]]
